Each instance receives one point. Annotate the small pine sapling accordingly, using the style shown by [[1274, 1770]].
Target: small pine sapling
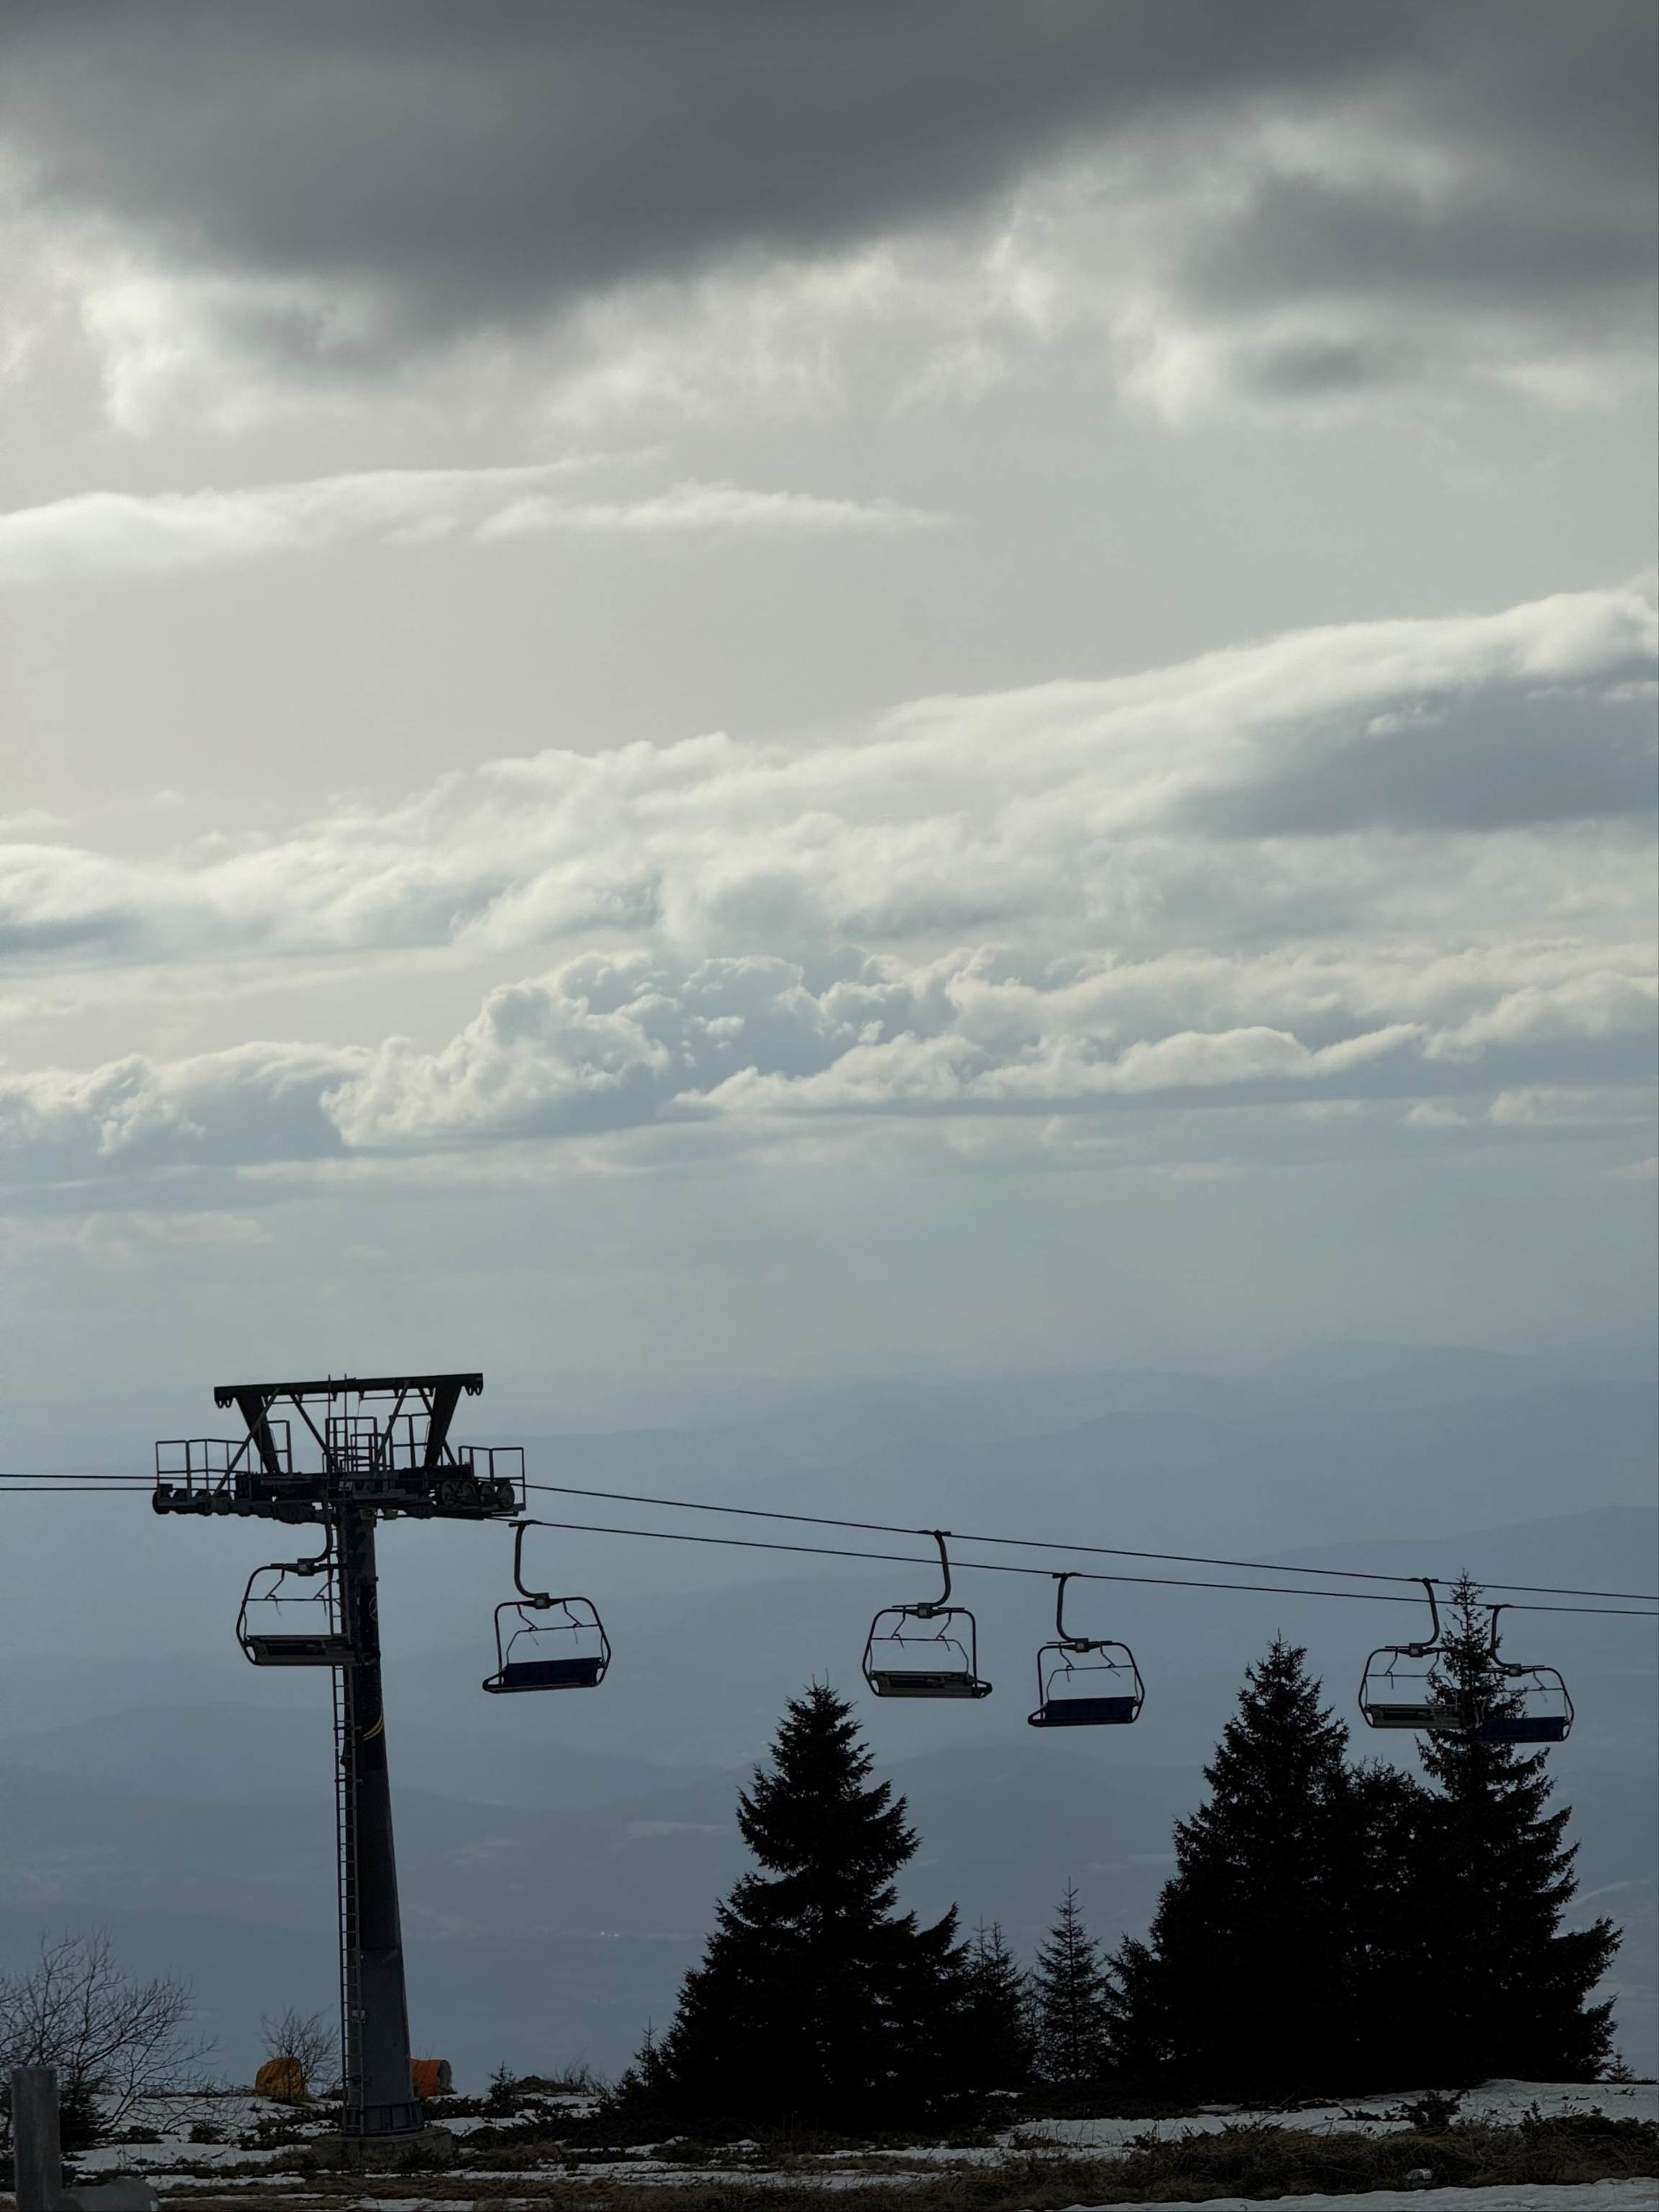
[[1000, 2021], [1070, 2001]]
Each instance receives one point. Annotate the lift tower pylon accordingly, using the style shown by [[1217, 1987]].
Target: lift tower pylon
[[349, 1452], [375, 2073]]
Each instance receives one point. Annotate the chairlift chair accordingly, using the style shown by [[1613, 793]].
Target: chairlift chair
[[938, 1658], [570, 1650], [1399, 1688], [284, 1621], [1086, 1681], [1536, 1708]]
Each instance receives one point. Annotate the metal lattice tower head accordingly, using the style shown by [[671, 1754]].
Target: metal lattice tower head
[[380, 1442]]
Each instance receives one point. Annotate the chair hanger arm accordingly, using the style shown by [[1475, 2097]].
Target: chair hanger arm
[[926, 1610], [519, 1584], [1071, 1642]]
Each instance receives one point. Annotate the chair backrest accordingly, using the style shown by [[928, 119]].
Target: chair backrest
[[924, 1651]]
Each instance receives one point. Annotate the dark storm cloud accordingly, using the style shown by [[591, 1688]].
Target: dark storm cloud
[[1515, 234], [482, 164]]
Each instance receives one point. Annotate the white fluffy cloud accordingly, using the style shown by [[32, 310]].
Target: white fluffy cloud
[[1207, 885], [614, 1043], [258, 1102], [122, 533]]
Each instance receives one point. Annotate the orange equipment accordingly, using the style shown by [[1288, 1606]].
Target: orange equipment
[[283, 2080]]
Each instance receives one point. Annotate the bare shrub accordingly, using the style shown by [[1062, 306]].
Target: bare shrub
[[311, 2037], [114, 2038]]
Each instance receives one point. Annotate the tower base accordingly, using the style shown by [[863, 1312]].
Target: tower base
[[420, 2146]]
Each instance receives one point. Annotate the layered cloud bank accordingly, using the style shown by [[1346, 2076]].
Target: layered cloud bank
[[1191, 805], [1402, 866], [607, 1044]]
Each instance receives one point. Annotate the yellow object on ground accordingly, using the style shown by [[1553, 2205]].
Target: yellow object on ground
[[284, 2080]]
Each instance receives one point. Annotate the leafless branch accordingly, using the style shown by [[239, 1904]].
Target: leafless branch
[[310, 2037], [107, 2032]]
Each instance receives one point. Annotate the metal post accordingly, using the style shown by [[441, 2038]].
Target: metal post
[[379, 2099], [35, 2142]]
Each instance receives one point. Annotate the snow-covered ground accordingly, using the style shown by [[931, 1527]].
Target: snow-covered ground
[[230, 2115], [1514, 2196], [238, 2113], [1502, 2103], [157, 2158], [1511, 2197], [182, 2169]]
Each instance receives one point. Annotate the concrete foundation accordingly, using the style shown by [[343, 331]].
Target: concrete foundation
[[386, 2153]]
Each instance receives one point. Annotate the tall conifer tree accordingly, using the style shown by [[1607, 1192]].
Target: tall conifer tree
[[999, 2024], [1511, 1984], [1379, 1862], [818, 2002], [1246, 1984], [1069, 1999]]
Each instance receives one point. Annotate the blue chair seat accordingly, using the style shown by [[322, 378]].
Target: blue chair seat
[[1523, 1728], [1084, 1712], [547, 1674]]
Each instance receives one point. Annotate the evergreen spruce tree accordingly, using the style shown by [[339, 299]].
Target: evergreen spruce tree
[[817, 2003], [1512, 1984], [1070, 2002], [1247, 1983], [1379, 1854], [999, 2021]]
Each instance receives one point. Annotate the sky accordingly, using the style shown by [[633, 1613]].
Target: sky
[[703, 689]]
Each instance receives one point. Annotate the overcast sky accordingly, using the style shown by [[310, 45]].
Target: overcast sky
[[691, 685]]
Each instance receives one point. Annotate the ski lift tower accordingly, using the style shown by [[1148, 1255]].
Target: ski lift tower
[[346, 1453]]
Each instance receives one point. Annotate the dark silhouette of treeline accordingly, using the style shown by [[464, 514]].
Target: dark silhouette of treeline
[[1330, 1927]]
